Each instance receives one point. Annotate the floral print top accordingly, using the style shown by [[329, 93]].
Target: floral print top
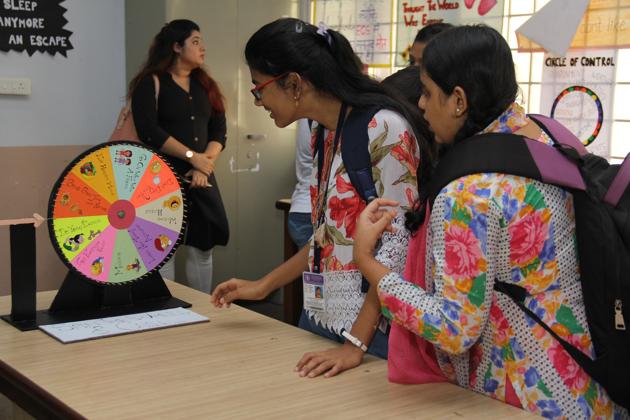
[[395, 158], [517, 230]]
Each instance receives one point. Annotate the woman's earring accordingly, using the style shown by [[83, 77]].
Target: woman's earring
[[458, 112], [297, 102]]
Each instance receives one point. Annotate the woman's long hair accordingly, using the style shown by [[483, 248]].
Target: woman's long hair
[[327, 61], [477, 59], [162, 57]]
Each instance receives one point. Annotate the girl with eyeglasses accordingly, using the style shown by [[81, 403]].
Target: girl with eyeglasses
[[302, 71]]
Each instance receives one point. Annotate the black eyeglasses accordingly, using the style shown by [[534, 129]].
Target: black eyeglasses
[[256, 91]]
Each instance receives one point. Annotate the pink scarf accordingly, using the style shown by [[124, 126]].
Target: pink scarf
[[411, 359]]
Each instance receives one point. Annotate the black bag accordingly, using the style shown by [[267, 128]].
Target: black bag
[[207, 222], [602, 212]]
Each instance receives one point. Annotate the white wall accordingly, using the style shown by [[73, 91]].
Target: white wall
[[74, 100]]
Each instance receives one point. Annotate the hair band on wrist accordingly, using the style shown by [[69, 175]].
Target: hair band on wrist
[[351, 338]]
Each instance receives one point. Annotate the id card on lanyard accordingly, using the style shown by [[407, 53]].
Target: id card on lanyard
[[313, 291], [313, 282]]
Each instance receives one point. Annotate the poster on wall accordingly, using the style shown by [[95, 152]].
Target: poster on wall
[[414, 15], [577, 90], [604, 24], [366, 23], [30, 25]]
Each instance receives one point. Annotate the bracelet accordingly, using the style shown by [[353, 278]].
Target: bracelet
[[351, 338]]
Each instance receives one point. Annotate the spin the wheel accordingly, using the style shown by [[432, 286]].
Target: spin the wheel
[[115, 216]]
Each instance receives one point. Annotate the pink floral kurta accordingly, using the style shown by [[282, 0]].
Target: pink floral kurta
[[516, 230]]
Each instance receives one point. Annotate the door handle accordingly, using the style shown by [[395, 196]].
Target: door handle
[[253, 136]]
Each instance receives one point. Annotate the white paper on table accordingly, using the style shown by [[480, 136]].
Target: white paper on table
[[70, 332], [554, 26]]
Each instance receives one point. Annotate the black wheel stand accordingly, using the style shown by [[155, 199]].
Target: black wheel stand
[[78, 299]]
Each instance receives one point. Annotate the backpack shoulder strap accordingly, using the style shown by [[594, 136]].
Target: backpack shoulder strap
[[355, 152], [491, 152], [619, 184], [509, 154], [559, 133], [319, 150], [518, 295]]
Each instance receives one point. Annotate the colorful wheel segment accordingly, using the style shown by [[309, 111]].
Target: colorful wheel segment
[[117, 213], [598, 105]]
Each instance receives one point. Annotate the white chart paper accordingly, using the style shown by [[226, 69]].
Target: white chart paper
[[70, 332]]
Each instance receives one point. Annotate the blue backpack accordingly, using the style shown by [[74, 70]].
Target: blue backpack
[[355, 154], [355, 151], [602, 211]]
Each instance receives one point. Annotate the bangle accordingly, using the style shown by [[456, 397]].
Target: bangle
[[351, 338]]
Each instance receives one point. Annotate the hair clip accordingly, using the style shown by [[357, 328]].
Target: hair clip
[[298, 27], [322, 29]]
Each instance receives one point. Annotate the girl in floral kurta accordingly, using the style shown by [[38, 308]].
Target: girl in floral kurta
[[302, 71], [488, 227], [394, 153], [515, 230]]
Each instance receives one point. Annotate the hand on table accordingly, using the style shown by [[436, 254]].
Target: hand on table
[[329, 362], [234, 289]]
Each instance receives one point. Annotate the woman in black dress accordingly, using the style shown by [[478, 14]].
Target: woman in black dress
[[185, 120]]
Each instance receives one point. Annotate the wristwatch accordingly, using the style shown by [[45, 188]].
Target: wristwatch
[[189, 154]]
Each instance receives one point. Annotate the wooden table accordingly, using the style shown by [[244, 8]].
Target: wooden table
[[239, 365]]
